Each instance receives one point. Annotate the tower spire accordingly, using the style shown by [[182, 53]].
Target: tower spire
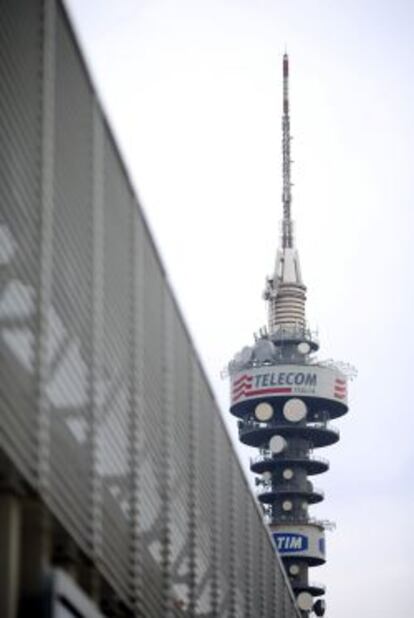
[[285, 291], [287, 232]]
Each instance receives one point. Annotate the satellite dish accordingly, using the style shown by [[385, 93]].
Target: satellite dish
[[320, 607], [245, 355], [294, 569], [264, 350], [267, 476], [288, 474], [304, 347], [305, 601], [263, 412], [295, 410], [277, 444], [287, 505], [237, 357]]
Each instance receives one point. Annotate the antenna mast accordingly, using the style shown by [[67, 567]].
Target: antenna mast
[[285, 291], [287, 227]]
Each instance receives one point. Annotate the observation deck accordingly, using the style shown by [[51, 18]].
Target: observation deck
[[253, 433], [270, 494], [268, 462], [314, 588]]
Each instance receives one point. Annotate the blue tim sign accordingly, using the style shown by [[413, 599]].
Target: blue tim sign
[[321, 546], [289, 542]]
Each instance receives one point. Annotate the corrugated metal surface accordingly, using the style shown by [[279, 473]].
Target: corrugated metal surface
[[104, 407], [20, 188], [70, 341]]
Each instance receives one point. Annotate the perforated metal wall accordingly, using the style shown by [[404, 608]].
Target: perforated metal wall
[[104, 407]]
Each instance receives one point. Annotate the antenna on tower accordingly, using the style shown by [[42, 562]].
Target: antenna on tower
[[287, 227], [285, 290]]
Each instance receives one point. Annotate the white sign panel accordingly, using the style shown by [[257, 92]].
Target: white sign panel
[[306, 541], [289, 380]]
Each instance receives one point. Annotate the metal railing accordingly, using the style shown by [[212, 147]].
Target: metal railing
[[296, 519], [267, 487], [245, 426], [288, 455]]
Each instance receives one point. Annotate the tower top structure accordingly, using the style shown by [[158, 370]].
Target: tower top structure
[[285, 291]]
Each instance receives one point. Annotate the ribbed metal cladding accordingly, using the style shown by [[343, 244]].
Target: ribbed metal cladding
[[43, 339], [183, 474], [287, 308], [113, 461], [214, 513], [226, 549], [152, 457], [234, 608], [269, 577], [261, 609], [240, 542], [136, 435], [93, 435], [193, 495], [248, 566], [166, 474], [20, 188], [257, 583], [203, 502], [104, 406], [70, 341]]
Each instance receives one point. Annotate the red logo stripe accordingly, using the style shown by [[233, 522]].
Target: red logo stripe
[[243, 378], [240, 388], [262, 391]]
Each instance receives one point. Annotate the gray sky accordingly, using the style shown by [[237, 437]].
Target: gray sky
[[193, 92]]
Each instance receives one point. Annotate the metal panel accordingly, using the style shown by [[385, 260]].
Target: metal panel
[[69, 343], [104, 407], [225, 536], [151, 462], [269, 575], [206, 495], [246, 577], [180, 426], [20, 191], [136, 441], [238, 541], [113, 459]]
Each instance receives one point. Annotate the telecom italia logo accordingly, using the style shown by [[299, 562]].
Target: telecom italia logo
[[288, 542], [273, 383], [287, 381]]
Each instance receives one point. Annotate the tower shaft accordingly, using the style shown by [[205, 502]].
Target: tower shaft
[[284, 401]]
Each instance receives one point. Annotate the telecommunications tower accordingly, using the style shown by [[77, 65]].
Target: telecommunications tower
[[284, 400]]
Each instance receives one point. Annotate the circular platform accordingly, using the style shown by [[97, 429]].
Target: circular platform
[[315, 589], [271, 494], [268, 463], [333, 409], [257, 435]]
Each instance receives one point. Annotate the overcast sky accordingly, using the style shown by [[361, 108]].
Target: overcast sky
[[193, 92]]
